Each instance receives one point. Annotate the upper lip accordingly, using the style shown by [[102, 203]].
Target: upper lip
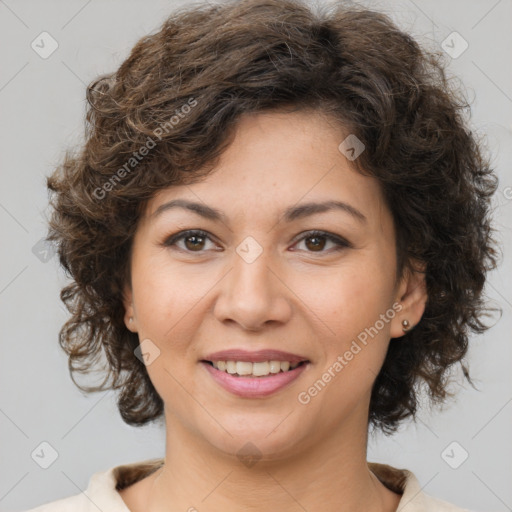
[[254, 357]]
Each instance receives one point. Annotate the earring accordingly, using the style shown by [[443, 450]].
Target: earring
[[130, 319], [405, 325]]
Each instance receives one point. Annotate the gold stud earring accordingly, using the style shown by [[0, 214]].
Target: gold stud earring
[[405, 325]]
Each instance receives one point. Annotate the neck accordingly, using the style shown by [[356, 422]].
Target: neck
[[325, 476]]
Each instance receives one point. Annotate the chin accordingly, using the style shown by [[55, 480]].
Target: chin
[[264, 440]]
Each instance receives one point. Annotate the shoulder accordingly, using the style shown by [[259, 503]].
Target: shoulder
[[73, 503], [102, 490], [413, 498], [437, 505]]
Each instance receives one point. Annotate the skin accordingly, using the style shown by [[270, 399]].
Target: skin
[[301, 295]]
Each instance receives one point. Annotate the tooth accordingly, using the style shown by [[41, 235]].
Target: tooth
[[243, 368], [285, 366], [275, 366], [260, 369]]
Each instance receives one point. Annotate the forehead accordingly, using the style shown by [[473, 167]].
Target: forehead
[[279, 159]]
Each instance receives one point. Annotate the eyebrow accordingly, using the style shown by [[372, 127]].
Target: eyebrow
[[292, 213]]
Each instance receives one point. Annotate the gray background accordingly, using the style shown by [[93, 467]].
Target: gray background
[[42, 107]]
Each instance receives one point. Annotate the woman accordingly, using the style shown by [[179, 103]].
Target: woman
[[278, 227]]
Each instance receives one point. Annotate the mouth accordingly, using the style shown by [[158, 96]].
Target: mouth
[[258, 369], [258, 378]]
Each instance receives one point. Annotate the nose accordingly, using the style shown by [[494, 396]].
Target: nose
[[253, 295]]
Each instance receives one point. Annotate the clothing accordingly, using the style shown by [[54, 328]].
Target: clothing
[[103, 486]]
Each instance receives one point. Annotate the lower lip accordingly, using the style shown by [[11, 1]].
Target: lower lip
[[254, 387]]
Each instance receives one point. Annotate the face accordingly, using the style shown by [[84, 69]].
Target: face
[[240, 264]]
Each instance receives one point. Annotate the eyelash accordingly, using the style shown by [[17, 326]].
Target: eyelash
[[338, 241]]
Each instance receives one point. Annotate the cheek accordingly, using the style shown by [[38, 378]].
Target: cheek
[[348, 300], [351, 358], [164, 297], [354, 310], [172, 300], [168, 305]]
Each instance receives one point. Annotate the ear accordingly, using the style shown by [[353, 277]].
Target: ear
[[412, 295], [130, 319]]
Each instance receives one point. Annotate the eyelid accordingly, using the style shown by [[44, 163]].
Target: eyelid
[[172, 239], [339, 241]]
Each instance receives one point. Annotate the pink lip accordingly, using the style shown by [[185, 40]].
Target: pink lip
[[254, 387], [254, 357]]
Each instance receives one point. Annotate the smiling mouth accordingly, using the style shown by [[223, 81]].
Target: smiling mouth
[[258, 369]]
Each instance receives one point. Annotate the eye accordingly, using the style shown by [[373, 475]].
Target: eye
[[194, 240], [315, 241]]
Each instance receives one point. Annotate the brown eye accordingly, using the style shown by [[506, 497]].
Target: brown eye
[[318, 242], [192, 240]]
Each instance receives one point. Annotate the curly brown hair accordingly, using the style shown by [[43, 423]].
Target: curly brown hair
[[164, 117]]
